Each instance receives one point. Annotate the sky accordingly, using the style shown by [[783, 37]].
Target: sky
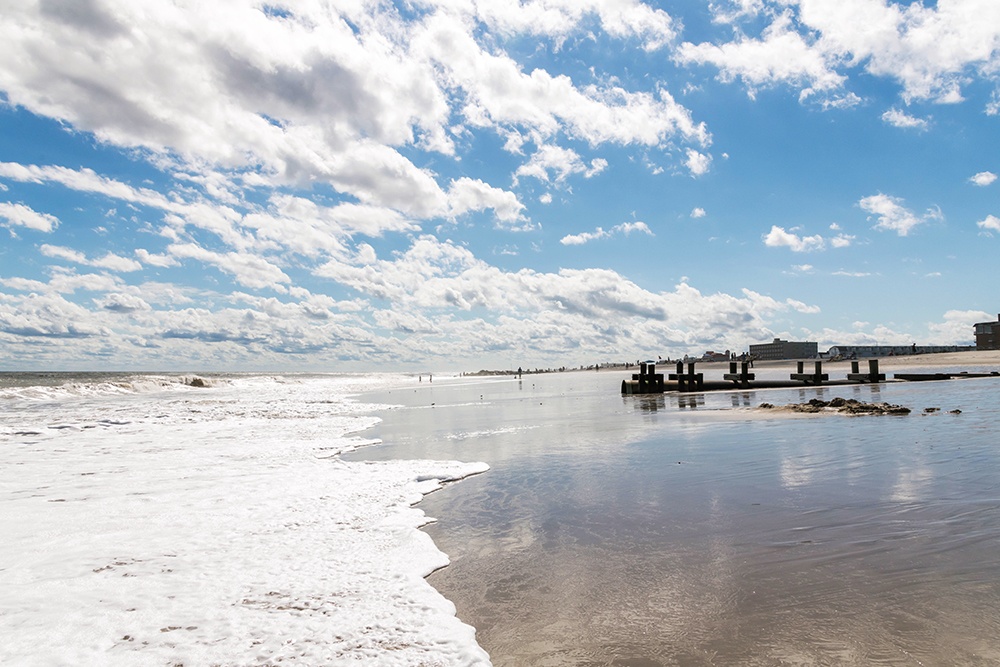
[[421, 185]]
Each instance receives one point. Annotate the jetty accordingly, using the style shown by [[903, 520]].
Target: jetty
[[686, 379]]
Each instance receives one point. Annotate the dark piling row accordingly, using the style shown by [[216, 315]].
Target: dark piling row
[[648, 381]]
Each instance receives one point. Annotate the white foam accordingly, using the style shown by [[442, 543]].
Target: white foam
[[218, 526]]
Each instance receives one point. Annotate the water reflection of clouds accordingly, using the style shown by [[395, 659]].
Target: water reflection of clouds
[[912, 482], [797, 470]]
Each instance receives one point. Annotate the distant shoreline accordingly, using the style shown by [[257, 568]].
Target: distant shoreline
[[970, 358]]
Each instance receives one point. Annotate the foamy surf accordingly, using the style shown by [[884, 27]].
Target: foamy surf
[[216, 526]]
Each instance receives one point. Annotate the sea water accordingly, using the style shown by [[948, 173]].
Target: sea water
[[697, 529], [156, 519]]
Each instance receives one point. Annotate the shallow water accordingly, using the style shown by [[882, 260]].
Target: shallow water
[[642, 531]]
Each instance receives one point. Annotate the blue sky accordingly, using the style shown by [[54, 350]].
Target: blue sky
[[463, 184]]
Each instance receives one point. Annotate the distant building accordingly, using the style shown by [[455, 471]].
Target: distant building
[[783, 349], [859, 351], [988, 335]]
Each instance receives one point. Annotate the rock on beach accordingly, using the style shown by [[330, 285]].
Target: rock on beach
[[848, 406]]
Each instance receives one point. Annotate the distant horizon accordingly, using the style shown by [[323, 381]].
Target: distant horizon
[[341, 187]]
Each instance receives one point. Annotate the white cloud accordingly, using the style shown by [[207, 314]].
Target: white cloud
[[60, 252], [932, 51], [782, 55], [499, 93], [110, 261], [558, 18], [19, 215], [698, 212], [898, 118], [123, 303], [466, 194], [597, 165], [990, 223], [927, 49], [697, 163], [248, 270], [625, 228], [560, 163], [984, 178], [893, 216], [114, 262], [842, 241], [779, 237], [86, 180], [49, 316], [956, 326], [162, 261], [340, 94]]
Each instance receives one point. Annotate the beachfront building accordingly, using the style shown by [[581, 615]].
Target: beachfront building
[[988, 335], [859, 351], [783, 349]]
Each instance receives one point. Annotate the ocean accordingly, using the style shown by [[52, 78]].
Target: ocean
[[158, 519], [641, 531], [323, 519]]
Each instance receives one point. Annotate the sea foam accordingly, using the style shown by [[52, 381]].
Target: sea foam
[[216, 526]]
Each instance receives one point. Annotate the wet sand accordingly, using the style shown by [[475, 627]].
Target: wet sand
[[692, 530]]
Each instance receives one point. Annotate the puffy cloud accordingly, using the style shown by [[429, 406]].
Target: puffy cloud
[[558, 18], [19, 215], [249, 270], [625, 228], [49, 316], [898, 118], [779, 237], [468, 194], [931, 51], [984, 178], [927, 49], [990, 223], [162, 261], [60, 252], [122, 303], [339, 95], [842, 240], [893, 216], [956, 326], [698, 212], [499, 92], [561, 162], [697, 163], [781, 55]]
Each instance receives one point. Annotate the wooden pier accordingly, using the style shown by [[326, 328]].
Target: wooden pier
[[648, 381]]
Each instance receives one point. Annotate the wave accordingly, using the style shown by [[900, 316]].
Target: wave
[[56, 386]]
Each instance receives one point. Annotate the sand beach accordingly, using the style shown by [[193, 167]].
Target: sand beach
[[697, 529]]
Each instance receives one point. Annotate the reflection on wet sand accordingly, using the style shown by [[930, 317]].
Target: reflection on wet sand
[[688, 530]]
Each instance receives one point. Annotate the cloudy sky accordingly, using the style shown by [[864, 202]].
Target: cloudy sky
[[465, 184]]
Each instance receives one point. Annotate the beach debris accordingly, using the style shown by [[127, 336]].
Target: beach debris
[[848, 406]]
